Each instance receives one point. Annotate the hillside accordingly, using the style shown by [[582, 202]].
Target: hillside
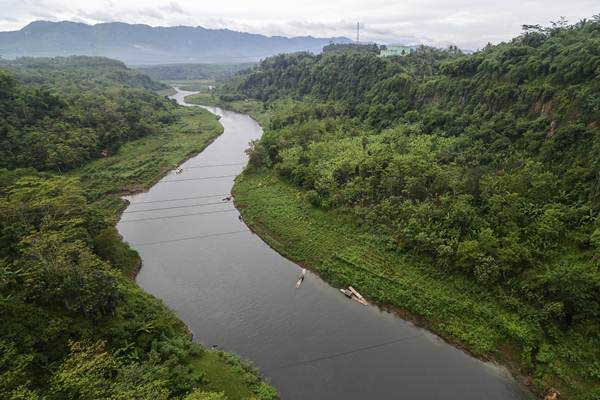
[[78, 71], [75, 134], [143, 44], [57, 114], [190, 72], [471, 182]]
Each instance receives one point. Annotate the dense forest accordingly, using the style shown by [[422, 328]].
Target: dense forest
[[190, 72], [57, 114], [74, 324], [483, 168]]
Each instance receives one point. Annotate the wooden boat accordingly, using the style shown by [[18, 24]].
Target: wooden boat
[[301, 278], [353, 294]]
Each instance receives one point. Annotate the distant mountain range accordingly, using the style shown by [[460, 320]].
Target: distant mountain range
[[143, 44]]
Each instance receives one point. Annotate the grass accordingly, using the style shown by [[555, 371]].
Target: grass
[[465, 314], [167, 92], [140, 163], [136, 167], [226, 373], [254, 108], [221, 377], [192, 85]]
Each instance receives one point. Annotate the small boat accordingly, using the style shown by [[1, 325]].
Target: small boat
[[357, 296], [301, 278], [353, 294]]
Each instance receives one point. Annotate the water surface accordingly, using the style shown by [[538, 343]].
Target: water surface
[[235, 292]]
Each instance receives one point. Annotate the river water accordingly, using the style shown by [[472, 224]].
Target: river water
[[235, 292]]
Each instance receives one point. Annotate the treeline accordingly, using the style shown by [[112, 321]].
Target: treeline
[[73, 323], [73, 327], [351, 47], [78, 71], [57, 114], [187, 72], [485, 165]]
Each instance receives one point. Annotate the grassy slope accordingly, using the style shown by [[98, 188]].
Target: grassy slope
[[456, 308], [140, 163], [192, 84], [136, 166], [167, 92], [253, 108]]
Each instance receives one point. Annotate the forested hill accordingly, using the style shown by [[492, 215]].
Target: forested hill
[[75, 134], [56, 114], [484, 168], [81, 71], [549, 72], [183, 72], [143, 44]]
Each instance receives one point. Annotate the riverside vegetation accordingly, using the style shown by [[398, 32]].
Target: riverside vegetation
[[462, 190], [76, 133]]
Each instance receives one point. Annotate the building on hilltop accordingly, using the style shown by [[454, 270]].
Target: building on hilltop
[[395, 50]]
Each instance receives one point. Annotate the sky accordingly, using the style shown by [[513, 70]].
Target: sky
[[469, 24]]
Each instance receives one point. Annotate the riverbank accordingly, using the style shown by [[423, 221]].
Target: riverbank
[[135, 168], [235, 292], [138, 165], [343, 254], [251, 107]]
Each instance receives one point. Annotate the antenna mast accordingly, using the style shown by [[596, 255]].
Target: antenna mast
[[358, 32]]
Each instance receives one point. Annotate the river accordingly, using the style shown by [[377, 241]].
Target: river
[[235, 292]]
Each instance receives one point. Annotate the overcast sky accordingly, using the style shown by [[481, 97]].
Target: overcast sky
[[467, 23]]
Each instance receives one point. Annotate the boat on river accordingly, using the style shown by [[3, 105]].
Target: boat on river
[[353, 294], [239, 297], [301, 278]]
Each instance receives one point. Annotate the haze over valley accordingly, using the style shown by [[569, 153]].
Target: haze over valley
[[143, 44]]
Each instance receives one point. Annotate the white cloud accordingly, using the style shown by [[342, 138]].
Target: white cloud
[[467, 23]]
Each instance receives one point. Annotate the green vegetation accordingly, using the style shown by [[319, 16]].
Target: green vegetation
[[193, 72], [138, 164], [351, 47], [233, 377], [56, 116], [74, 325], [463, 189], [192, 85], [166, 92], [77, 71], [255, 108]]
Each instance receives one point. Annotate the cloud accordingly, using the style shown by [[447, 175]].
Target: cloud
[[151, 13], [94, 16], [467, 23], [173, 8]]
